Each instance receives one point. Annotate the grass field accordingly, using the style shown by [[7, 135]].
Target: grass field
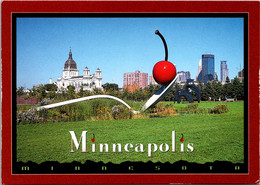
[[214, 137]]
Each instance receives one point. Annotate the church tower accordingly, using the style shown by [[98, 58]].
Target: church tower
[[86, 72], [70, 67], [98, 78]]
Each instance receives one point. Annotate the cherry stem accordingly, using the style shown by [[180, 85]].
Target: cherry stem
[[164, 43]]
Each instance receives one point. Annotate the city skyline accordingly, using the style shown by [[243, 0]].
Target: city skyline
[[121, 45]]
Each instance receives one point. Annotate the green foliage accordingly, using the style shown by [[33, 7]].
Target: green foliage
[[212, 89], [81, 92], [71, 92], [193, 108], [105, 109], [20, 91], [237, 89], [121, 112], [51, 87], [219, 109], [38, 91], [227, 80], [162, 110], [110, 86], [28, 116]]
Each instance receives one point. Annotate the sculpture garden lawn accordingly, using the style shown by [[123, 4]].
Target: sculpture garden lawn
[[214, 137]]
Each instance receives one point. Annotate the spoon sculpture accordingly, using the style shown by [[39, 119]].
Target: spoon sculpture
[[164, 73]]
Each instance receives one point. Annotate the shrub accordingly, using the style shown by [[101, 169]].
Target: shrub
[[193, 108], [116, 113], [161, 110], [30, 116], [45, 101], [219, 109], [121, 112], [103, 113]]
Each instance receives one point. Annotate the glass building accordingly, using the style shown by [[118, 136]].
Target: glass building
[[208, 68], [183, 76], [223, 71], [199, 75]]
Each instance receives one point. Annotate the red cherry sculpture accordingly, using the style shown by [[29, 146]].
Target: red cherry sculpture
[[164, 72]]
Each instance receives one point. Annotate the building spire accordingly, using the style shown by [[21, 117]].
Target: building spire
[[70, 54]]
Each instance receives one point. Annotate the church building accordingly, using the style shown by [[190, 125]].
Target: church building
[[70, 76]]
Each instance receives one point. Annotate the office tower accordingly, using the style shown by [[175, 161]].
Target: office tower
[[183, 76], [199, 75], [208, 67], [223, 71]]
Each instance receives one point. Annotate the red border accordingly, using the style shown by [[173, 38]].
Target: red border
[[252, 8]]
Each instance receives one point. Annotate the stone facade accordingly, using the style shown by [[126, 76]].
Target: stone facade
[[70, 76]]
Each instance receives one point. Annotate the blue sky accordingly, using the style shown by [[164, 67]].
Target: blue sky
[[119, 45]]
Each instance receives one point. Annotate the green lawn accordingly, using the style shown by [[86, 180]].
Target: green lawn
[[214, 137]]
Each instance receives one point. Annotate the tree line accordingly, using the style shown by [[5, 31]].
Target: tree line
[[212, 90]]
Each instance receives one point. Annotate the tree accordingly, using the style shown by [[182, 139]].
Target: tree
[[216, 90], [51, 87], [227, 90], [170, 95], [151, 89], [20, 91], [81, 92], [203, 93], [125, 94], [227, 80], [71, 91], [41, 91], [137, 95], [145, 94], [97, 91], [237, 89], [207, 91], [109, 86]]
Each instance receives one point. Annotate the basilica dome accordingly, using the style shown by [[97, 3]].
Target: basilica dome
[[70, 63]]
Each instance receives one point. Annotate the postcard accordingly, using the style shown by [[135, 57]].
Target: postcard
[[130, 92]]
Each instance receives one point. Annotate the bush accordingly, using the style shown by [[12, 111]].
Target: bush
[[161, 110], [45, 101], [121, 112], [194, 108], [219, 109], [116, 113], [30, 116], [103, 113]]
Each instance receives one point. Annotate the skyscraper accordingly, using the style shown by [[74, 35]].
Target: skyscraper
[[216, 76], [223, 71], [199, 75], [208, 67], [183, 76]]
